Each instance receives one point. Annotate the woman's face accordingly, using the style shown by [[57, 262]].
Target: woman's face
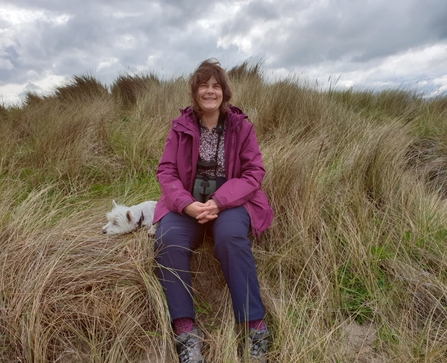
[[209, 96]]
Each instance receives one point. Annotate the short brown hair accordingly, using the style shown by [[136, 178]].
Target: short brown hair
[[205, 70]]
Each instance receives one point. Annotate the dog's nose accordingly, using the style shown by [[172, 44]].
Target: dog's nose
[[104, 231]]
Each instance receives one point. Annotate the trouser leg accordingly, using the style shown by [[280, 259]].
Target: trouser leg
[[177, 235], [233, 250]]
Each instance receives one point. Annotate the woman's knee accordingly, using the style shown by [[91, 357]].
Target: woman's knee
[[228, 242], [176, 231]]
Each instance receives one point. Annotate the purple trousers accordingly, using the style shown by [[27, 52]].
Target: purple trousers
[[177, 235]]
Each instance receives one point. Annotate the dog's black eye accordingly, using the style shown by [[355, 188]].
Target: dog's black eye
[[115, 223]]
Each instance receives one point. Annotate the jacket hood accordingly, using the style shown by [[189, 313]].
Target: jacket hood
[[234, 113], [231, 109], [186, 110]]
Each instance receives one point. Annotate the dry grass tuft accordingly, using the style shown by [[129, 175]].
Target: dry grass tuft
[[128, 89]]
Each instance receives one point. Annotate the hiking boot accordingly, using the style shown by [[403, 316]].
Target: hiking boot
[[189, 346], [257, 341]]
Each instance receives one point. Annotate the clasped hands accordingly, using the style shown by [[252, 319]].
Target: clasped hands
[[203, 212]]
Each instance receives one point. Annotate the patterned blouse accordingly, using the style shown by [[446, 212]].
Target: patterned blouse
[[207, 150]]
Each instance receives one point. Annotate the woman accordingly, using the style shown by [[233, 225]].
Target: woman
[[210, 175]]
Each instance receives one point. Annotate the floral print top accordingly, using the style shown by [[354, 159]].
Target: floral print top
[[207, 150]]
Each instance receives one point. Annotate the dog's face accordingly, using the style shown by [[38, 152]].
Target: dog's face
[[120, 220]]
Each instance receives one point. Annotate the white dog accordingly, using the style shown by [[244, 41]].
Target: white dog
[[124, 219]]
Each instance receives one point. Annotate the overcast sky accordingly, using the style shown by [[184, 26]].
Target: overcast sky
[[364, 44]]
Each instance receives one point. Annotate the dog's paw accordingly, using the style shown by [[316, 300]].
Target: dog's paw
[[152, 230]]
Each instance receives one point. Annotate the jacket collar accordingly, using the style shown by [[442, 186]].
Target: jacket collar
[[188, 119]]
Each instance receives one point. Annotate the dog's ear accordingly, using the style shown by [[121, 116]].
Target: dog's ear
[[129, 216], [114, 204]]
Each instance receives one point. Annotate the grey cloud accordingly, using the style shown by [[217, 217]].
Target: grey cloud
[[344, 29], [261, 11], [341, 35], [76, 45]]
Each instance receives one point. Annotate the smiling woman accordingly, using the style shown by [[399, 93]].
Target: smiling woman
[[210, 175], [209, 78], [209, 98]]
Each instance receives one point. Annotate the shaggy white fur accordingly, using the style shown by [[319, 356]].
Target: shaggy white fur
[[122, 219]]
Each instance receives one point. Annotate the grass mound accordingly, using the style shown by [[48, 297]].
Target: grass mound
[[353, 268]]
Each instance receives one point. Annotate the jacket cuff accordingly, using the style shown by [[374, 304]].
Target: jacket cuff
[[218, 202], [184, 204]]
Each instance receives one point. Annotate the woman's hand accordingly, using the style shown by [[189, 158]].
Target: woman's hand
[[203, 212], [210, 212]]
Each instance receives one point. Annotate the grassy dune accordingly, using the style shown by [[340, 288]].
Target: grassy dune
[[353, 268]]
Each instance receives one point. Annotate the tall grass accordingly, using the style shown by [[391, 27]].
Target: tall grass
[[353, 268]]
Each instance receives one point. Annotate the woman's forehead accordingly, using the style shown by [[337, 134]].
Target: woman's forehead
[[211, 79], [205, 77]]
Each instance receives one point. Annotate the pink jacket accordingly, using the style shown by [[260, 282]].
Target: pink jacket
[[243, 167]]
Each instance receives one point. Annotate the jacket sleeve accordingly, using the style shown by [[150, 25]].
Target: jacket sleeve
[[247, 181], [173, 192]]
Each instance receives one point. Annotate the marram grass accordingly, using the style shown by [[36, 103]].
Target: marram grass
[[353, 268]]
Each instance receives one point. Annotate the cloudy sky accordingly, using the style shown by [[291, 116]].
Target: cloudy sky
[[363, 44]]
